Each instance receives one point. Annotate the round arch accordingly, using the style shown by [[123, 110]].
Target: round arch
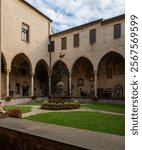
[[82, 56], [111, 76], [42, 61], [60, 63], [60, 74], [83, 78], [3, 61], [25, 57], [41, 78], [111, 53], [3, 64], [20, 76]]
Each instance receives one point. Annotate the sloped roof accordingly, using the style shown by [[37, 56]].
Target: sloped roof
[[103, 22]]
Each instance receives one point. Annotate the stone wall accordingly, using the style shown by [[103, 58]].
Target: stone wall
[[21, 100], [16, 52], [16, 101], [105, 42], [11, 140], [18, 134], [106, 47], [13, 14]]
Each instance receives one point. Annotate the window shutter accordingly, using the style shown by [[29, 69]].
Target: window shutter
[[93, 36], [52, 46], [76, 40], [117, 31], [63, 42]]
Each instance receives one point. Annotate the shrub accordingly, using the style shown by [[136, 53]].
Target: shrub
[[56, 100], [60, 104], [15, 113], [33, 97]]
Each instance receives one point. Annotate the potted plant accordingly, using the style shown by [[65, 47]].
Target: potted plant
[[8, 98]]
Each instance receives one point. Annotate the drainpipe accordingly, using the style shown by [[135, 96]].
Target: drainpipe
[[49, 72], [0, 50], [69, 84], [50, 59]]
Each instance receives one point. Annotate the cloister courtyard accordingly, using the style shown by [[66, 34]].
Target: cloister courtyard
[[100, 117], [63, 90]]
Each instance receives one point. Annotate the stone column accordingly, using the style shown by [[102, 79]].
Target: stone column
[[70, 89], [7, 81], [32, 84], [95, 73]]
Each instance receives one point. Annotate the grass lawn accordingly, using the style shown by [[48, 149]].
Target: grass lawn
[[24, 109], [94, 121], [119, 108]]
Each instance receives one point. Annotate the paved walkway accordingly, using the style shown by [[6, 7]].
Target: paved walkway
[[37, 110]]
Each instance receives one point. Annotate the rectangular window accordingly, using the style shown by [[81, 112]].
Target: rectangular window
[[52, 46], [93, 36], [76, 40], [17, 88], [117, 31], [64, 41], [25, 32]]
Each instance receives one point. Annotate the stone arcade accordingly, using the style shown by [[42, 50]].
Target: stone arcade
[[87, 59]]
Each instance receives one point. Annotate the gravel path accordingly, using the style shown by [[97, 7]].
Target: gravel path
[[37, 110]]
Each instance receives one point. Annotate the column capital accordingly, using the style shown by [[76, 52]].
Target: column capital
[[7, 71], [32, 74], [95, 71]]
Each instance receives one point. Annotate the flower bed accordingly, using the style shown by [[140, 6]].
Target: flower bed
[[60, 104], [15, 113]]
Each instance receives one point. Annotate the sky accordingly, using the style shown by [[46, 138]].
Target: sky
[[70, 13]]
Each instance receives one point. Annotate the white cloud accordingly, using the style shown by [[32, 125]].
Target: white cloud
[[69, 13]]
